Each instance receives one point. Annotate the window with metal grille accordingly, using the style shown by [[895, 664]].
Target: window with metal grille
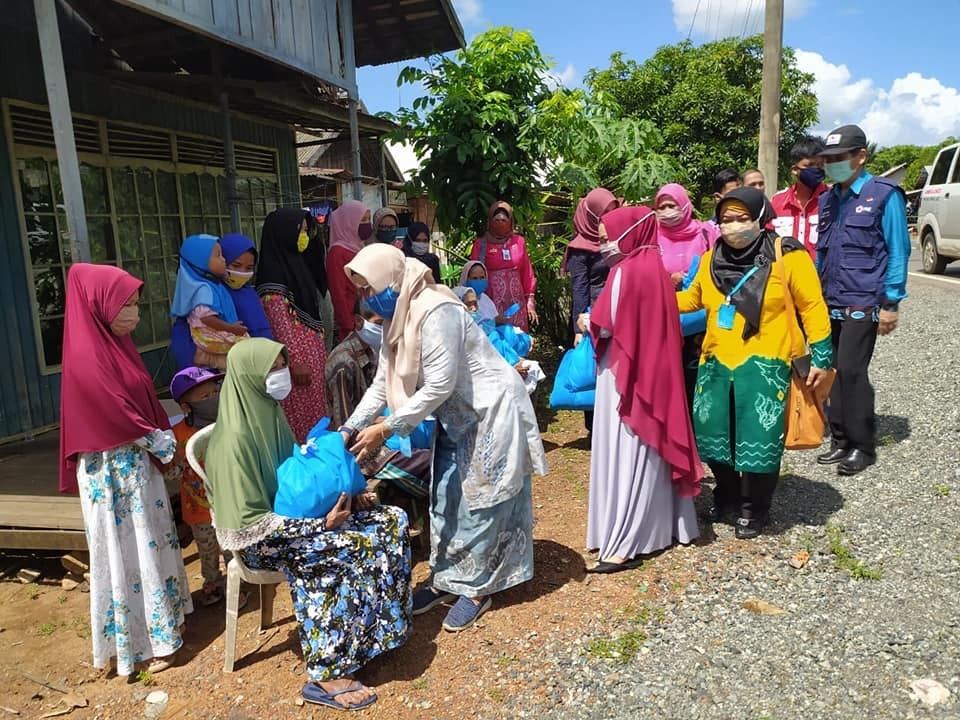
[[144, 190]]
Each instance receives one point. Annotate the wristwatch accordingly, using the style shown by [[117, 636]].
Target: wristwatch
[[890, 306]]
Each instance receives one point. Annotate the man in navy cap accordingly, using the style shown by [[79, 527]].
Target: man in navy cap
[[862, 254]]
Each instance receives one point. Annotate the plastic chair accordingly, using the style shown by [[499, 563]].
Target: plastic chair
[[237, 571]]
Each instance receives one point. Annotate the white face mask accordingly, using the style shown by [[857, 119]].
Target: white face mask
[[670, 217], [610, 250], [279, 384], [420, 247], [371, 334]]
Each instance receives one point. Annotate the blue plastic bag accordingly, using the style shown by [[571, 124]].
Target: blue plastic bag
[[562, 398], [692, 323], [420, 439], [516, 338], [310, 481], [581, 369]]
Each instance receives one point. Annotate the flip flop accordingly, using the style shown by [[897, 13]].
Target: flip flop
[[604, 567], [315, 694]]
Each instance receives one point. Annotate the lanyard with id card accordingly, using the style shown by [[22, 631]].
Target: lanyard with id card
[[727, 311]]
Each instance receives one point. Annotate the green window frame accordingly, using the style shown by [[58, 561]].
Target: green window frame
[[138, 212]]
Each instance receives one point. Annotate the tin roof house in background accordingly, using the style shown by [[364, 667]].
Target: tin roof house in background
[[130, 124]]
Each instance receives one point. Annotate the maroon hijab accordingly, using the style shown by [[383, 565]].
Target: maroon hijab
[[107, 397], [643, 350], [586, 220]]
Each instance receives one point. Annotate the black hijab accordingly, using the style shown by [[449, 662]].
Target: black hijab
[[729, 264], [285, 271], [428, 259]]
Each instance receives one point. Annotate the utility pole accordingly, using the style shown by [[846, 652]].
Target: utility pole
[[769, 157]]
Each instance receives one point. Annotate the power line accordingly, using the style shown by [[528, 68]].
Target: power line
[[746, 20], [695, 12]]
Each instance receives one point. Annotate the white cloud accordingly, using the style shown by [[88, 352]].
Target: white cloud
[[715, 19], [405, 158], [469, 11], [565, 78], [914, 110]]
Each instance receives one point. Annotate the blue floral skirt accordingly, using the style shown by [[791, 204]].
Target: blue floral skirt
[[476, 553], [350, 586]]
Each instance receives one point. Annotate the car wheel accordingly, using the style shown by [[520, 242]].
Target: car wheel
[[933, 262]]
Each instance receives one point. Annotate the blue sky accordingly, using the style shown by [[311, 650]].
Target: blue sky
[[890, 66]]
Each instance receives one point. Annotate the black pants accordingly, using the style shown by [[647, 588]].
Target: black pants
[[690, 354], [751, 493], [852, 422]]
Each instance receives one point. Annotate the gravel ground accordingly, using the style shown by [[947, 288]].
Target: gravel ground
[[845, 647]]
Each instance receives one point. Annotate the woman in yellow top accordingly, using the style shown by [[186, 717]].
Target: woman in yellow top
[[744, 375]]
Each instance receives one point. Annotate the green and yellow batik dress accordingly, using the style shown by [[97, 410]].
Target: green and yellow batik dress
[[745, 382]]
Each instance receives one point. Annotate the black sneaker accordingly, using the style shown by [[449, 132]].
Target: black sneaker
[[748, 528]]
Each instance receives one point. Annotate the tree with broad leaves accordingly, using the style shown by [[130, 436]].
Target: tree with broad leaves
[[705, 102]]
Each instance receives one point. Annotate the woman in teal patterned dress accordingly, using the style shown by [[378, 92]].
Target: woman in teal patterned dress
[[349, 572]]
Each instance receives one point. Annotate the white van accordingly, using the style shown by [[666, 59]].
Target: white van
[[938, 219]]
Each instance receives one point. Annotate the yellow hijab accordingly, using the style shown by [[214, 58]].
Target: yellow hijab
[[384, 266]]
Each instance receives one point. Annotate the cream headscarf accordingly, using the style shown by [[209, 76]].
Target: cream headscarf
[[385, 266]]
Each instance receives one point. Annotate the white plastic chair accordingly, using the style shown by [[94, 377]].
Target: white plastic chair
[[237, 571]]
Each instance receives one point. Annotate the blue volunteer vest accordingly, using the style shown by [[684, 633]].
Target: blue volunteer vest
[[851, 250]]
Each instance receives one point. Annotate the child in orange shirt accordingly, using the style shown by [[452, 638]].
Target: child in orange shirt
[[198, 392]]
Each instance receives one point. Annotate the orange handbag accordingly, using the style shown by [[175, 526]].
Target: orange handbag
[[805, 420]]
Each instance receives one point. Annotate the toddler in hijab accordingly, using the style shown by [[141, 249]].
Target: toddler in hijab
[[206, 303]]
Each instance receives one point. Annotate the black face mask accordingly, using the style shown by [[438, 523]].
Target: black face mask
[[387, 235], [203, 412]]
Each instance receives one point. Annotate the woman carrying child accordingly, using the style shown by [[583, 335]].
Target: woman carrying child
[[113, 436], [205, 302]]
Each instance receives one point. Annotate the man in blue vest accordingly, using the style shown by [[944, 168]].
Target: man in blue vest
[[862, 255]]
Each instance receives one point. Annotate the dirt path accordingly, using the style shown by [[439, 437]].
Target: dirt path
[[45, 632]]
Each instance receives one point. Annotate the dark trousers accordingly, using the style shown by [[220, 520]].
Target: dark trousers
[[852, 422], [750, 492], [690, 354]]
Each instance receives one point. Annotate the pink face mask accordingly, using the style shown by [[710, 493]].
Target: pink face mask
[[126, 320]]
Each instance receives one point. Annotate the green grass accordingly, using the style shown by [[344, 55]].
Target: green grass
[[32, 591], [498, 695], [61, 599], [621, 649], [46, 629], [145, 678], [886, 440], [419, 684], [941, 489], [506, 660], [844, 558]]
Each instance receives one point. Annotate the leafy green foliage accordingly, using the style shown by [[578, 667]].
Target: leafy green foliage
[[474, 130], [705, 100]]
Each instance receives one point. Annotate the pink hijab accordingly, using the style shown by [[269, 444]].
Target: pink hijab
[[688, 238], [643, 347], [107, 397], [343, 225]]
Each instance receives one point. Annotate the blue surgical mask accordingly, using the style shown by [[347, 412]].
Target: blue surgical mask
[[387, 235], [478, 286], [840, 171], [383, 303], [371, 334], [475, 315], [811, 177]]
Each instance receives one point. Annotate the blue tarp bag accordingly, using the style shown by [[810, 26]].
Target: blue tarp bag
[[420, 439], [581, 373], [310, 481], [515, 338], [692, 323], [503, 347], [562, 398]]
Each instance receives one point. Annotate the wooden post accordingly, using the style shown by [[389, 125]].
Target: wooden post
[[350, 76], [384, 195], [229, 159], [769, 156], [55, 76]]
